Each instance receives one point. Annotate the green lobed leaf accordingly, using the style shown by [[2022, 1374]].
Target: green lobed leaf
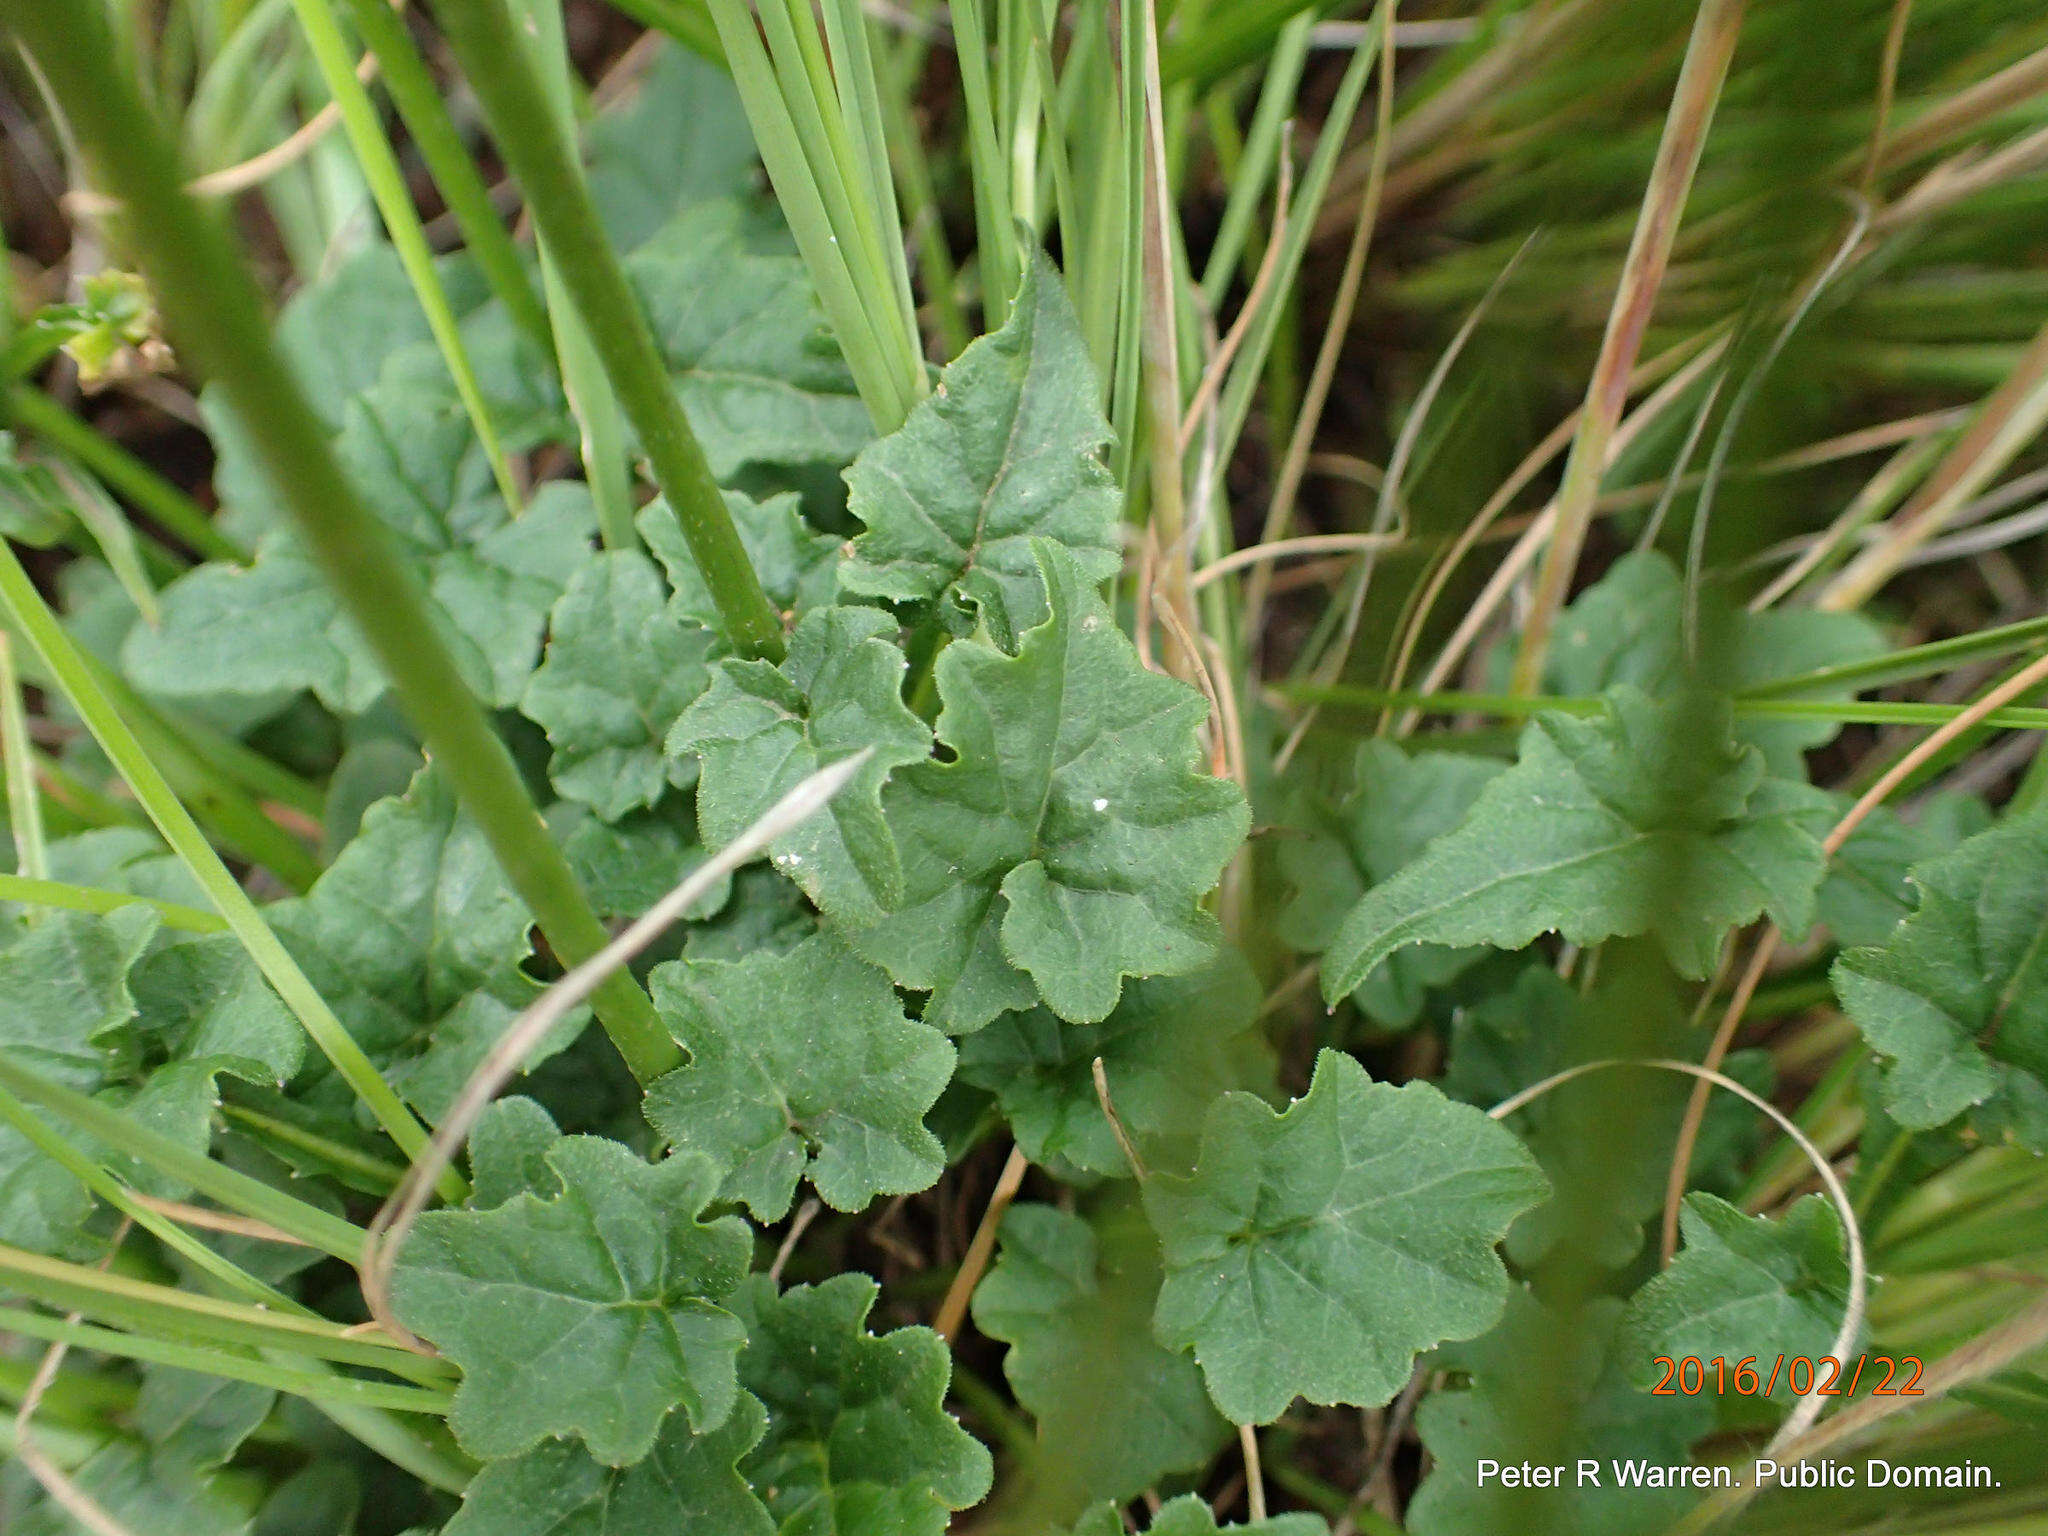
[[1397, 805], [1956, 1001], [198, 1420], [1315, 1252], [1744, 1286], [417, 941], [687, 1483], [1626, 628], [802, 1064], [1005, 451], [760, 729], [620, 669], [796, 564], [1071, 838], [1170, 1047], [1647, 820], [490, 578], [746, 346], [1551, 1389], [1189, 1516], [1116, 1412], [859, 1442], [594, 1313]]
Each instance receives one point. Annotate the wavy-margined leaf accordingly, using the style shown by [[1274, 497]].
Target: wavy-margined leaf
[[746, 346], [196, 1419], [1742, 1286], [1007, 450], [801, 1064], [687, 1483], [64, 1003], [1538, 1025], [1188, 1515], [1316, 1252], [620, 669], [416, 939], [490, 578], [1115, 1411], [1396, 805], [1069, 842], [796, 564], [1646, 820], [1626, 628], [759, 729], [1549, 1390], [859, 1442], [593, 1313], [1956, 1001], [1171, 1046]]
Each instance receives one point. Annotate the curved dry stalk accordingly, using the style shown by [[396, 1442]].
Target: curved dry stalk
[[1816, 1396], [953, 1309], [387, 1233], [1247, 312], [2024, 681]]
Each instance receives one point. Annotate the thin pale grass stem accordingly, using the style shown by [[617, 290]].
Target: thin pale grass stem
[[1254, 1474], [386, 1234], [1343, 305]]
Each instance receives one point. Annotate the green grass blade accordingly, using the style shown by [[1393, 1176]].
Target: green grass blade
[[38, 891], [24, 805], [416, 94], [515, 104], [211, 302], [402, 223], [236, 1191]]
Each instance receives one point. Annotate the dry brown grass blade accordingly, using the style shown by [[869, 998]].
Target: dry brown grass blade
[[1707, 53], [953, 1309]]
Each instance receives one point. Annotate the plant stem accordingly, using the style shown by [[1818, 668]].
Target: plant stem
[[515, 104], [418, 98], [24, 805], [210, 300]]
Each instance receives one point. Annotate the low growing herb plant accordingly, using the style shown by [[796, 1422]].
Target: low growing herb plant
[[737, 873]]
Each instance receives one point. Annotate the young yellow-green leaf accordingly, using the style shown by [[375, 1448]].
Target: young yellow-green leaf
[[795, 563], [760, 729], [1316, 1252], [859, 1442], [1551, 1389], [1646, 820], [688, 1483], [1172, 1045], [1396, 805], [746, 347], [1115, 1411], [1956, 1001], [801, 1064], [591, 1314], [1743, 1286], [620, 668], [1006, 450], [1626, 628], [491, 578], [1070, 841], [1189, 1516]]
